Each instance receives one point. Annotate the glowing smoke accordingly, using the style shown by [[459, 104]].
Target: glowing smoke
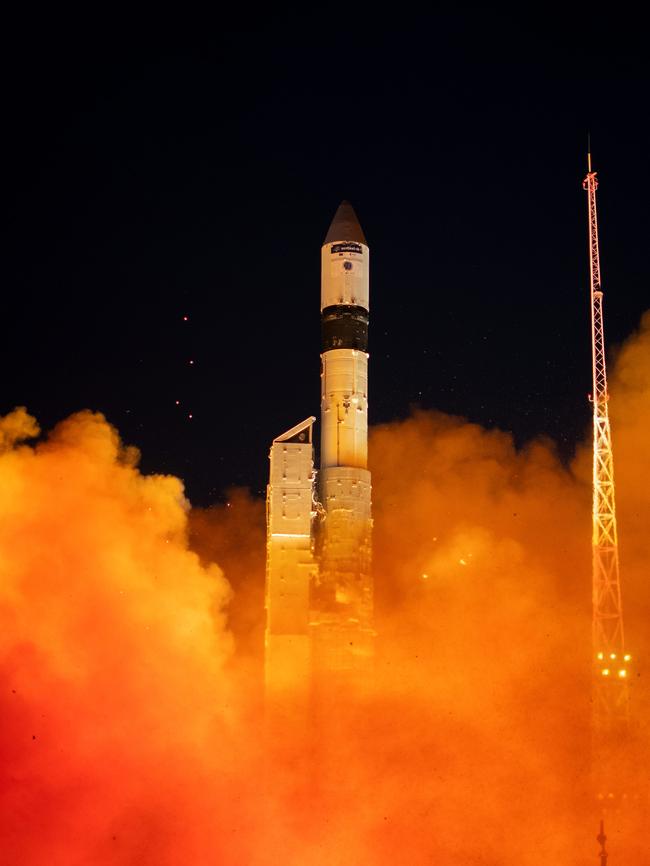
[[130, 732], [112, 652]]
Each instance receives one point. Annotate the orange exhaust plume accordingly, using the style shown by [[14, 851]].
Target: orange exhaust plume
[[131, 729]]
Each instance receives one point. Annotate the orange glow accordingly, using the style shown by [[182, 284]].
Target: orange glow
[[130, 665]]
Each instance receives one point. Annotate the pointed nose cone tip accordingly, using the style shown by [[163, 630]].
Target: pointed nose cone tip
[[345, 226]]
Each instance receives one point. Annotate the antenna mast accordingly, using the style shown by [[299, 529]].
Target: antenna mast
[[610, 680]]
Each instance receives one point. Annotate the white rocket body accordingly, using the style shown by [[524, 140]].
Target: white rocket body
[[342, 615], [344, 374]]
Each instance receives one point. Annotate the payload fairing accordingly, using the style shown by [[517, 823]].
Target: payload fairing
[[319, 619]]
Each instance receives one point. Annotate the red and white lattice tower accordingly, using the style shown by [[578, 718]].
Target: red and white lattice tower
[[611, 662]]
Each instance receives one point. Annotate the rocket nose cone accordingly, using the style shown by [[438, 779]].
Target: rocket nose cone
[[345, 226]]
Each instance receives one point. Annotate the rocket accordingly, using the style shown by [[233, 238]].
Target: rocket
[[319, 630], [342, 614]]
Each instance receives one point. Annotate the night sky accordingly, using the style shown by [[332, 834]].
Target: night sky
[[162, 174]]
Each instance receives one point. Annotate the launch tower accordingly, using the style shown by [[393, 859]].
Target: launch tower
[[611, 662], [290, 569]]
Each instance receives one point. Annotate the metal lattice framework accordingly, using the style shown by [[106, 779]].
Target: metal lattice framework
[[611, 701]]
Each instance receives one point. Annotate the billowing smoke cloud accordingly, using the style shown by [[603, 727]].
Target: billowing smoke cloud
[[630, 410], [131, 729], [113, 690]]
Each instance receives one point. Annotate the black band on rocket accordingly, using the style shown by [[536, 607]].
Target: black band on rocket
[[344, 326]]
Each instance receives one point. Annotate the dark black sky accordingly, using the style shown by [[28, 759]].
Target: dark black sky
[[192, 171]]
